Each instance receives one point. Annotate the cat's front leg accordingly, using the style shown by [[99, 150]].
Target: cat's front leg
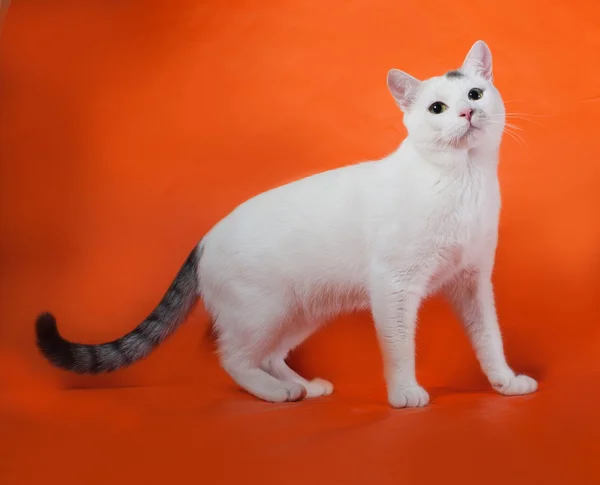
[[395, 301], [472, 296]]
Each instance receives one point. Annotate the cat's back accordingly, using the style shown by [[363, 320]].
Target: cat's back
[[321, 199], [307, 230]]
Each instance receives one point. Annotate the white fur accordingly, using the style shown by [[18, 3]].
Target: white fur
[[382, 235]]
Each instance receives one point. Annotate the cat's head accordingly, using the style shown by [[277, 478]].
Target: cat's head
[[460, 109]]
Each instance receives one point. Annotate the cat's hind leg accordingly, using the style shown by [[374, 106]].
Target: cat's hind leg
[[244, 339], [294, 333], [263, 385], [278, 368]]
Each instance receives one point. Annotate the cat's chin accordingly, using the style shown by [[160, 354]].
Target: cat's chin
[[468, 139], [473, 137]]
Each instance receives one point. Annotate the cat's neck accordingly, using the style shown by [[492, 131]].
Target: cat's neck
[[453, 159]]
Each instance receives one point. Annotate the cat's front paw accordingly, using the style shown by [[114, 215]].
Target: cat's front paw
[[515, 385], [413, 396]]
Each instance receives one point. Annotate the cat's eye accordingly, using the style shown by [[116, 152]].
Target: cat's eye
[[475, 94], [437, 108]]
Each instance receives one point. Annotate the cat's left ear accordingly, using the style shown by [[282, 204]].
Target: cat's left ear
[[479, 60], [403, 87]]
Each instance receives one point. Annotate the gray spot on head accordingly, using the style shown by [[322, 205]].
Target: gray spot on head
[[454, 74]]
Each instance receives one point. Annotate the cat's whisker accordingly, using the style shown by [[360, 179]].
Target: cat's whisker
[[508, 125], [515, 127], [520, 116], [508, 128], [514, 138], [517, 137], [527, 114], [525, 119]]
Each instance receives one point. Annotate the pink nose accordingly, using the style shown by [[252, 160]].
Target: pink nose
[[467, 113]]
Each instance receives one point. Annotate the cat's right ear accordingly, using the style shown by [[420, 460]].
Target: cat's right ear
[[403, 87], [479, 60]]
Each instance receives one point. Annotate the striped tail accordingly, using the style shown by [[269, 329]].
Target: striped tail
[[137, 344]]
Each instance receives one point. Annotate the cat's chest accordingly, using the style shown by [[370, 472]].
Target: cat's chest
[[465, 229], [470, 210], [469, 249], [465, 223]]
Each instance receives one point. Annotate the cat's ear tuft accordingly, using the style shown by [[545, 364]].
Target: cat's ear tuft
[[403, 87], [479, 60]]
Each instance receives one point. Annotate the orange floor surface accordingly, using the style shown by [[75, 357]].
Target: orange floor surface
[[128, 128]]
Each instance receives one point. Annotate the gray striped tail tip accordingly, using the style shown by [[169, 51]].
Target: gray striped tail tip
[[135, 345]]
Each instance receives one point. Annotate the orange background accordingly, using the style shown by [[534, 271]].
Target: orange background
[[127, 129]]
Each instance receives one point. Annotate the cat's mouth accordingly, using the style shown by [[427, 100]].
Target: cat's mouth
[[468, 135], [471, 129], [468, 131]]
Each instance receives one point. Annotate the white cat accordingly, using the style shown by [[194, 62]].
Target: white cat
[[382, 235]]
